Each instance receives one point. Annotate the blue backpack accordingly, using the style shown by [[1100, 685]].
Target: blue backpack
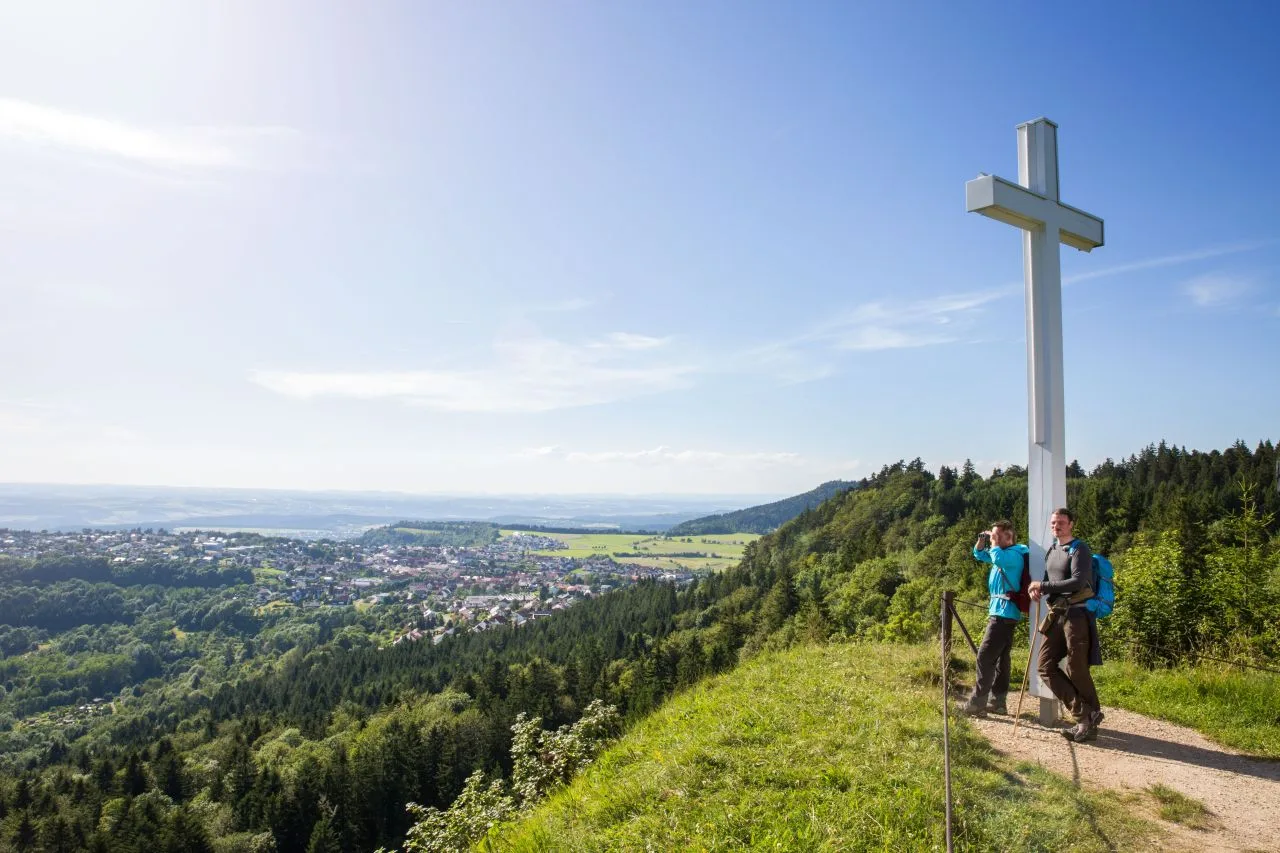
[[1104, 587]]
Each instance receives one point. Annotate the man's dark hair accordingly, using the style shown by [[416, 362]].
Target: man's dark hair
[[1062, 510], [1005, 524]]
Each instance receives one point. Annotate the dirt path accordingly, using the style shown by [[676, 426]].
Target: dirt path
[[1134, 752]]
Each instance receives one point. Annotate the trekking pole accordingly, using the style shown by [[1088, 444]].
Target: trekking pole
[[1026, 675]]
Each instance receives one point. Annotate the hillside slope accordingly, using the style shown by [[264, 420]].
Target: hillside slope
[[834, 747], [763, 518]]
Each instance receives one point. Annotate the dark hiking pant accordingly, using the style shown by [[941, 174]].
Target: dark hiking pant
[[993, 658], [1069, 638]]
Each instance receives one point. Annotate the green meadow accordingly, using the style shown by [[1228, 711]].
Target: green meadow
[[831, 748], [722, 550]]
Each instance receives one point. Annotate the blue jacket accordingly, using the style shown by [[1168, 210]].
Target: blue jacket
[[1005, 577]]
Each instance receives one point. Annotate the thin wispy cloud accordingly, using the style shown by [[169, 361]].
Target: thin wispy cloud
[[951, 305], [533, 374], [628, 341], [870, 338], [870, 327], [786, 361], [20, 422], [44, 128], [950, 318], [1216, 290], [663, 455], [24, 419], [24, 416], [566, 306], [26, 403], [1169, 260], [888, 324]]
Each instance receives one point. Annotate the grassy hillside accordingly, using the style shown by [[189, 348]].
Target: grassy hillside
[[834, 747]]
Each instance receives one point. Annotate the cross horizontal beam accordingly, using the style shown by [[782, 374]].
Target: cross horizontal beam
[[1019, 206]]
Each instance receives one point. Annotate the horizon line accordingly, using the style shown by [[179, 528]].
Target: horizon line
[[374, 491]]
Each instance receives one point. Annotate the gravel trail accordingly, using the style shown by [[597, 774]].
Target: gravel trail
[[1134, 752]]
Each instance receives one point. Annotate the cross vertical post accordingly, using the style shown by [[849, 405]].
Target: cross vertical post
[[1046, 397], [1033, 205]]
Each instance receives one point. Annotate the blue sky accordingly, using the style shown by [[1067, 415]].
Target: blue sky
[[659, 247]]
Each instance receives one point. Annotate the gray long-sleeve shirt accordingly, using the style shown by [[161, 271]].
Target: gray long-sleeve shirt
[[1065, 573]]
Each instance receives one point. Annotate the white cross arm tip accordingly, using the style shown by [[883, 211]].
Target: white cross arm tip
[[1020, 207]]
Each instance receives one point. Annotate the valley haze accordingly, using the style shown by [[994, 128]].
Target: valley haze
[[335, 514]]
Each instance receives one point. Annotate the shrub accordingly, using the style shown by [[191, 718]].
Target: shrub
[[541, 761]]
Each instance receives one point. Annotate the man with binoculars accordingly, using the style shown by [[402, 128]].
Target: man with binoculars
[[1069, 631], [995, 548]]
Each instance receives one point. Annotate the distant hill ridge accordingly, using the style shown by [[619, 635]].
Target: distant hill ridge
[[765, 518]]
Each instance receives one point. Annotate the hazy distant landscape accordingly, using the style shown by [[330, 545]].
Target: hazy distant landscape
[[313, 515]]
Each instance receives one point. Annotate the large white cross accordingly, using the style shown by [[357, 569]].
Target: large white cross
[[1032, 205]]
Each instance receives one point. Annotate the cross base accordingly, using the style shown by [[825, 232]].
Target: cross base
[[1048, 711]]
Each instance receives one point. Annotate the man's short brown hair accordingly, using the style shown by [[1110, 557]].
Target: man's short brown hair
[[1062, 510], [1007, 526]]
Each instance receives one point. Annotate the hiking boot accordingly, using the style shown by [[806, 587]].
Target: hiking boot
[[997, 706], [974, 708], [1080, 733], [1096, 718]]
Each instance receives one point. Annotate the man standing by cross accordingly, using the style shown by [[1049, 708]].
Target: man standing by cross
[[1032, 205]]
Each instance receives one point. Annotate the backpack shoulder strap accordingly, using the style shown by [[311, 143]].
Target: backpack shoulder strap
[[1026, 565], [1004, 583], [1093, 564]]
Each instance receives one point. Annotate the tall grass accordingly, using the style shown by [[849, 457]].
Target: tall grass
[[1238, 708], [817, 748]]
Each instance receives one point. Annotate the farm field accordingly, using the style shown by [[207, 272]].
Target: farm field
[[721, 551]]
